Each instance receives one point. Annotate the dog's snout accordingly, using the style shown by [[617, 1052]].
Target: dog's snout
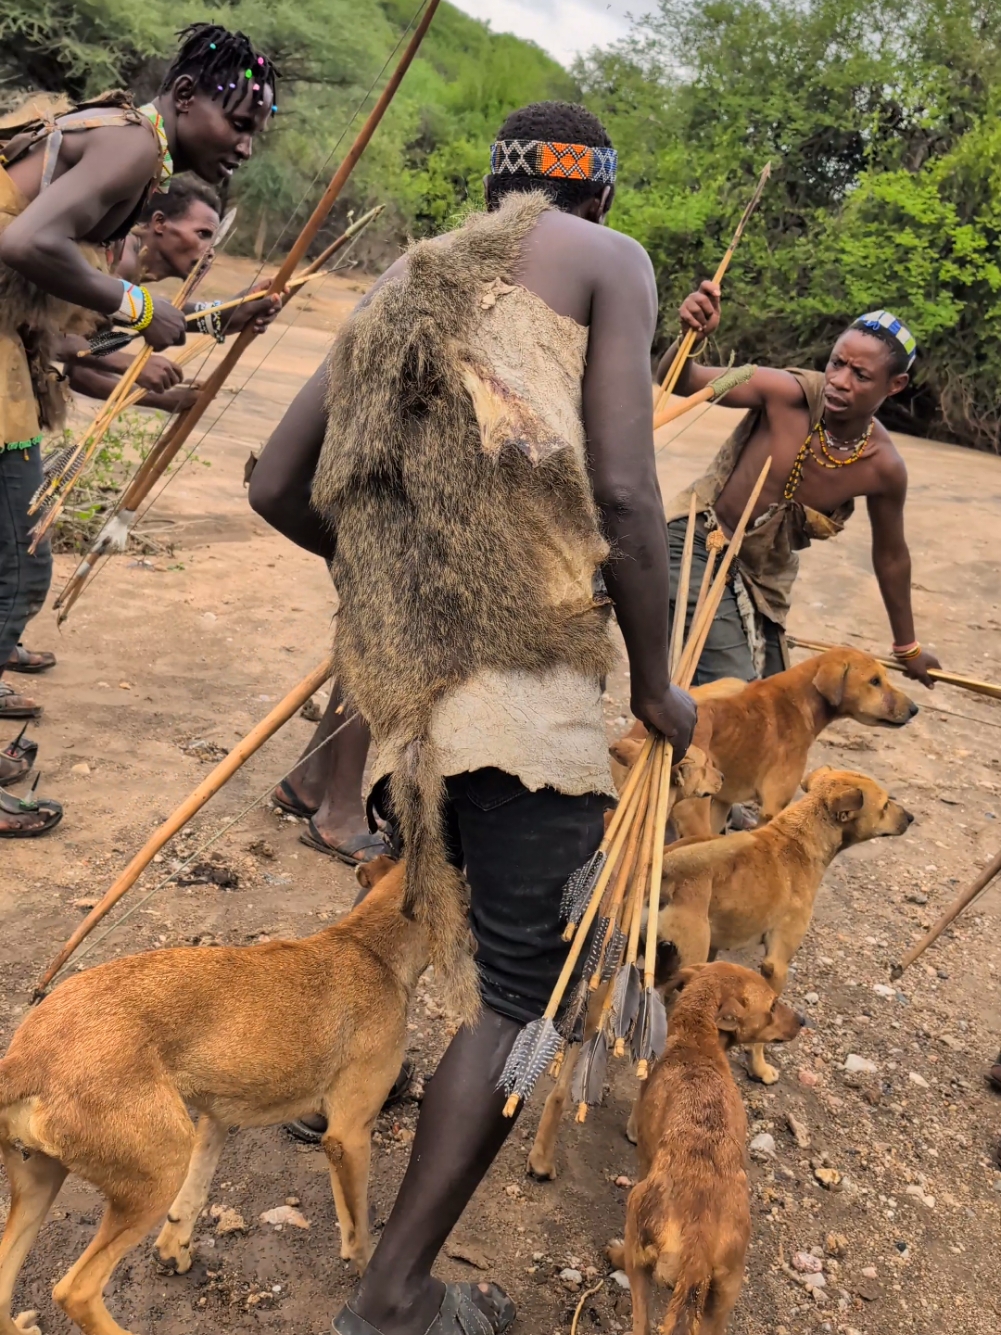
[[909, 816], [912, 709], [804, 1023]]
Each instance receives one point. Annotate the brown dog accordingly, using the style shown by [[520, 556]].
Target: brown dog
[[760, 735], [98, 1079], [694, 776], [735, 890], [689, 1219]]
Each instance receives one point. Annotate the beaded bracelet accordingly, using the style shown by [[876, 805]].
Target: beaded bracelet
[[210, 323], [136, 308], [146, 319], [904, 652]]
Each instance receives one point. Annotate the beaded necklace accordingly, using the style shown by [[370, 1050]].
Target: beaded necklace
[[829, 460], [166, 161]]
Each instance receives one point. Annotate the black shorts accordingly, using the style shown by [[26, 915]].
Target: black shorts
[[517, 849]]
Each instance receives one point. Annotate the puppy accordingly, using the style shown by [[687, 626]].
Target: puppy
[[689, 1218], [693, 776], [98, 1079], [760, 735], [735, 890]]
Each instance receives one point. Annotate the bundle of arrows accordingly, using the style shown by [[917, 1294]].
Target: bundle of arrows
[[604, 901]]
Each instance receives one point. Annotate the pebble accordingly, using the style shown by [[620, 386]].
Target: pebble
[[125, 686], [812, 998], [917, 1079], [915, 898], [869, 1271], [82, 768], [816, 1281], [799, 1131], [854, 1064], [571, 1278], [835, 1244], [284, 1214], [807, 1077], [807, 1263], [827, 1177], [623, 1181], [884, 990], [764, 1145], [919, 1194], [620, 1277], [229, 1221]]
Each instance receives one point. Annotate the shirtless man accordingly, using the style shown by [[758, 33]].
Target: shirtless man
[[827, 448], [173, 234], [552, 316], [66, 193]]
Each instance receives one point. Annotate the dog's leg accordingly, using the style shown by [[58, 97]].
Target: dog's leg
[[723, 1295], [775, 970], [542, 1159], [174, 1243], [34, 1181], [639, 1274], [123, 1225], [348, 1147]]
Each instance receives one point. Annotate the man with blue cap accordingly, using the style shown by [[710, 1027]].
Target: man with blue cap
[[827, 448]]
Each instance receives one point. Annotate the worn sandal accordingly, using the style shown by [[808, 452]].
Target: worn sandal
[[47, 812], [29, 660], [17, 759], [353, 853], [286, 798], [461, 1313], [13, 705]]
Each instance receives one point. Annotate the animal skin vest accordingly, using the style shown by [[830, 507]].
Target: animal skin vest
[[468, 544]]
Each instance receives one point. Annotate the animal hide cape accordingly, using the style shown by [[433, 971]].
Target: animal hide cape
[[456, 514]]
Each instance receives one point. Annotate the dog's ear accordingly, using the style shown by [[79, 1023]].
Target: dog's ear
[[845, 802], [821, 772], [687, 975], [369, 874], [830, 680], [625, 750], [728, 1016]]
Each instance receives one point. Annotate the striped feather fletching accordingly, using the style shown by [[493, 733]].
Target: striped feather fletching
[[613, 954], [650, 1029], [625, 1001], [577, 891], [535, 1047]]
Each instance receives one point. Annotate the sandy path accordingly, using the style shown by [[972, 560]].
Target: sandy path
[[198, 646]]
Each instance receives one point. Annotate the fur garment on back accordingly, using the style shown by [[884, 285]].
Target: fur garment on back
[[467, 535]]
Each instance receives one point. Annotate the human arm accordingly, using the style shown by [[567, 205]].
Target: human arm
[[99, 383], [618, 421], [158, 375], [891, 561], [282, 481], [114, 166], [700, 311]]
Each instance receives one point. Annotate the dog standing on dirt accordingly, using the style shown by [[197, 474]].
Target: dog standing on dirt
[[689, 1218], [735, 890], [98, 1079], [760, 734]]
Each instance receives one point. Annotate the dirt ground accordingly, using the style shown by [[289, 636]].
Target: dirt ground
[[167, 661]]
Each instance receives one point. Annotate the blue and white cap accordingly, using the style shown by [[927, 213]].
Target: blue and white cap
[[890, 324]]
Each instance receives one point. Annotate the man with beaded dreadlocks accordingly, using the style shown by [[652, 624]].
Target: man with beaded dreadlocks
[[480, 452], [827, 448], [71, 185]]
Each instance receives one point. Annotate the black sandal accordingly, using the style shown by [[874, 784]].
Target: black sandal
[[20, 660], [465, 1310], [287, 800], [372, 845], [13, 705], [51, 814], [309, 1131]]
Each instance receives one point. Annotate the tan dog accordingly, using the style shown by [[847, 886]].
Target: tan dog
[[735, 890], [98, 1079], [689, 1219], [694, 776], [760, 735]]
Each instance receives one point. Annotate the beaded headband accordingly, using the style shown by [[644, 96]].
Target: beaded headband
[[891, 325], [539, 157]]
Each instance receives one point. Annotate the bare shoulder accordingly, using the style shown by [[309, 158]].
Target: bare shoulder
[[590, 243], [890, 467]]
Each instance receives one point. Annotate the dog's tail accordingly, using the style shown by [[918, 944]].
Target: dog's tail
[[434, 893], [691, 1289]]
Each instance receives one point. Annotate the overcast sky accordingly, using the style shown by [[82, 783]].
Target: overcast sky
[[561, 27]]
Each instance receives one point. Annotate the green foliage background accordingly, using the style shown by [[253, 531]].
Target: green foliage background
[[880, 118]]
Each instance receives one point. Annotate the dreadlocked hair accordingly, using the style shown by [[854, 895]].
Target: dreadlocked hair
[[185, 189], [557, 122], [899, 358], [221, 63]]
